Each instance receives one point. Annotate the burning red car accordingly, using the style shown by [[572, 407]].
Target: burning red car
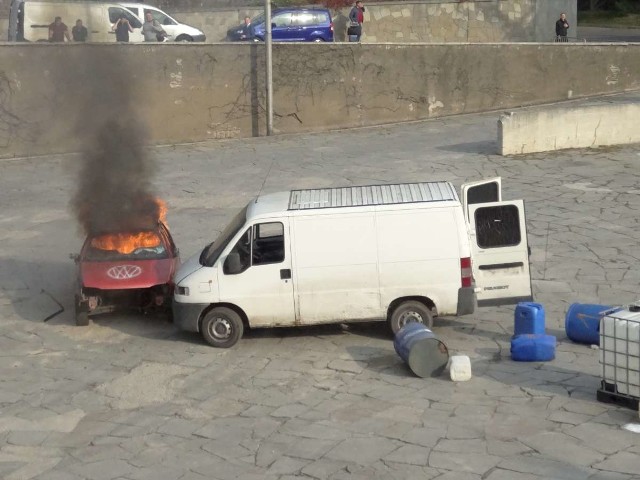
[[120, 270]]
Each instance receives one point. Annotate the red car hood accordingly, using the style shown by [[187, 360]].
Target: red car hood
[[123, 275]]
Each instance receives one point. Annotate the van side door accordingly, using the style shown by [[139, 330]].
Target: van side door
[[256, 274], [499, 246]]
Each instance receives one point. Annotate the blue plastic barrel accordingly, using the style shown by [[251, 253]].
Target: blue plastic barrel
[[533, 348], [421, 350], [582, 322], [529, 318]]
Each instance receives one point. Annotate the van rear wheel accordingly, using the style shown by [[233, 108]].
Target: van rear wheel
[[222, 327], [408, 312]]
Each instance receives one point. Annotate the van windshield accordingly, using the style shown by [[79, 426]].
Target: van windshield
[[212, 251]]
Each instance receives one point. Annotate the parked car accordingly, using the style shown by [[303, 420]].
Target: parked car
[[138, 276], [290, 25], [29, 20], [396, 253], [177, 31]]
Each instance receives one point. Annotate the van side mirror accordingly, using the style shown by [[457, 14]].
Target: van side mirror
[[273, 25], [232, 264]]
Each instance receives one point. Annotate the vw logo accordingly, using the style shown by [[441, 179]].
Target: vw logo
[[124, 272]]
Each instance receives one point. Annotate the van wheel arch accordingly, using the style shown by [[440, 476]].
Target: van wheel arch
[[235, 308], [424, 301]]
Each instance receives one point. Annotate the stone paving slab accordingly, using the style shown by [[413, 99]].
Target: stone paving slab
[[132, 398]]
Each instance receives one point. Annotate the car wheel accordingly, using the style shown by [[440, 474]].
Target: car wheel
[[184, 38], [222, 327], [408, 312]]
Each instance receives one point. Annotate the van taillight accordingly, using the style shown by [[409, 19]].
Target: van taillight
[[465, 272], [331, 26]]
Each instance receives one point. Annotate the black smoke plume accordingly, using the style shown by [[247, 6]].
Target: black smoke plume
[[114, 183]]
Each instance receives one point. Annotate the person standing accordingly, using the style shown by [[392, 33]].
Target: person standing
[[247, 30], [122, 28], [58, 31], [562, 26], [356, 19], [79, 32], [151, 29]]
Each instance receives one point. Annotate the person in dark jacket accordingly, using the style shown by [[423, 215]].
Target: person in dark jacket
[[247, 30], [122, 28], [562, 26], [79, 32], [356, 19]]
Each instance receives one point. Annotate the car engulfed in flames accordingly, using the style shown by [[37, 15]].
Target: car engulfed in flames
[[126, 270]]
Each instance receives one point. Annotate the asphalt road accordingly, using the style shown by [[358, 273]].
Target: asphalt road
[[601, 34], [131, 397]]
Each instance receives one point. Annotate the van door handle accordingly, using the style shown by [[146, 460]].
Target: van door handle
[[497, 266], [285, 274]]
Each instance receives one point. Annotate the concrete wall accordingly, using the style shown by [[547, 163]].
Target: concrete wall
[[196, 92], [568, 127], [431, 21]]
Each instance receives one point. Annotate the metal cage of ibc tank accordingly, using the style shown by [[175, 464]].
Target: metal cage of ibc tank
[[620, 357]]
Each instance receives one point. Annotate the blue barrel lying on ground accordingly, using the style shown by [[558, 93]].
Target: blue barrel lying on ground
[[529, 318], [582, 322], [533, 348], [421, 350]]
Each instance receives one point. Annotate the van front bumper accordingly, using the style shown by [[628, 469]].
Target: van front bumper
[[466, 301], [187, 315]]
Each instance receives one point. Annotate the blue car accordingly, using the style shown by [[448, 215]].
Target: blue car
[[288, 25]]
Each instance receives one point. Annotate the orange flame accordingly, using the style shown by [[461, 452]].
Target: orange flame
[[128, 242]]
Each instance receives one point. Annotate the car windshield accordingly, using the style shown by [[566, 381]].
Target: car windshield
[[212, 251], [94, 254], [258, 20]]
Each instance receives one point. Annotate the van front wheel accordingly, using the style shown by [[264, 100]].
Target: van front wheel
[[408, 312], [222, 327]]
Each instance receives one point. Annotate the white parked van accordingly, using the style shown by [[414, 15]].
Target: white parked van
[[178, 32], [400, 253], [29, 20]]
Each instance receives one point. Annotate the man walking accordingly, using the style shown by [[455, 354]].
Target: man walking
[[58, 31], [356, 19], [562, 26]]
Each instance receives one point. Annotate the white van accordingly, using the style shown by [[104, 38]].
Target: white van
[[29, 20], [400, 253], [178, 32]]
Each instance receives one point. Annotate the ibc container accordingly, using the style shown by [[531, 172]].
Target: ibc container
[[582, 322], [529, 318], [421, 350], [533, 348], [620, 351]]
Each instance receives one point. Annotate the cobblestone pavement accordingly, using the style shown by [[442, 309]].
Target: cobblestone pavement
[[130, 397]]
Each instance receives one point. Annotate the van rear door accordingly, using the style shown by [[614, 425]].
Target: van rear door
[[499, 247]]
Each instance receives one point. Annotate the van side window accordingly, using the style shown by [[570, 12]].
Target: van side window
[[498, 226], [268, 243], [243, 249], [160, 17], [282, 20], [485, 193]]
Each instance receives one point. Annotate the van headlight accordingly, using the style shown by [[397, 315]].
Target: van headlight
[[182, 291]]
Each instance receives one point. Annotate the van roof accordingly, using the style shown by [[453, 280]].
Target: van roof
[[368, 195]]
